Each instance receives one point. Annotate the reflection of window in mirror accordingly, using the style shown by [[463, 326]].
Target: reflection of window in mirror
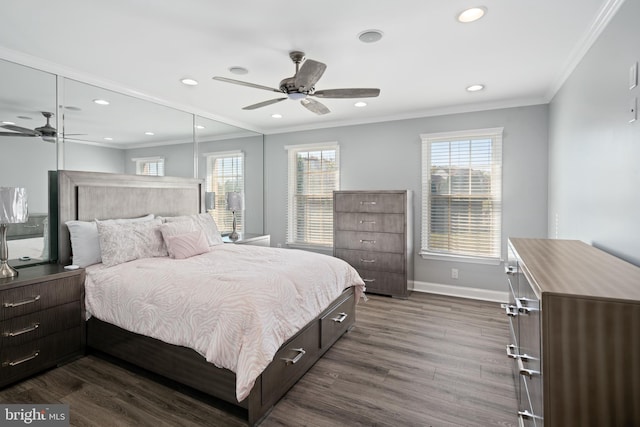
[[225, 174], [151, 166]]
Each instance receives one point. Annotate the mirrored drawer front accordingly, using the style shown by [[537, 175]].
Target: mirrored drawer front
[[389, 223], [377, 261], [337, 321], [370, 202], [19, 330], [28, 299], [18, 361], [377, 242], [383, 281], [34, 227]]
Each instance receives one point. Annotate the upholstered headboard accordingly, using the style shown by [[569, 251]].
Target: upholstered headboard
[[87, 196]]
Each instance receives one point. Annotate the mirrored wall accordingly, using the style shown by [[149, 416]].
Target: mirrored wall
[[101, 130]]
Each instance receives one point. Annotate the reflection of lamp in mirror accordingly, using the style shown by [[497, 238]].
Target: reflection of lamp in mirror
[[209, 200], [235, 203], [13, 210]]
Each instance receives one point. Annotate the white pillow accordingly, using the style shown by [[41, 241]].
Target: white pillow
[[85, 243], [204, 222], [122, 242]]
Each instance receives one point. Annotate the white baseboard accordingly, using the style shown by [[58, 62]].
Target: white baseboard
[[461, 291]]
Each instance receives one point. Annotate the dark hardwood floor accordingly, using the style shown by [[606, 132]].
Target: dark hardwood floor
[[426, 361]]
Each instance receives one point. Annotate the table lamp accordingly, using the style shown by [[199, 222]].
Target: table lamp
[[13, 210], [235, 203]]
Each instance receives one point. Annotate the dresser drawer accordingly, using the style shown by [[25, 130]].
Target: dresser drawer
[[291, 362], [28, 299], [337, 321], [370, 202], [16, 362], [384, 282], [362, 221], [19, 330], [376, 261], [364, 241]]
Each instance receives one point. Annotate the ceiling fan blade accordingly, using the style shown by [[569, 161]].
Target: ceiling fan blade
[[348, 93], [314, 106], [17, 134], [241, 83], [263, 104], [21, 130], [308, 74]]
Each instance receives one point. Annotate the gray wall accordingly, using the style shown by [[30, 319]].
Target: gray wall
[[386, 156], [85, 157], [178, 159], [594, 153]]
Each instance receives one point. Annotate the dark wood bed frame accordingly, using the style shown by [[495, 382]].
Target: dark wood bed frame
[[87, 196]]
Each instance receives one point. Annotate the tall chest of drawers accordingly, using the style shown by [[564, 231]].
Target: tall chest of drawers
[[574, 315], [373, 232], [41, 320]]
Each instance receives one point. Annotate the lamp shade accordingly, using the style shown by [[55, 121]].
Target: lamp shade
[[209, 200], [13, 205], [235, 201]]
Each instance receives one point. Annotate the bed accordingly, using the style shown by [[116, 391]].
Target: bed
[[85, 196]]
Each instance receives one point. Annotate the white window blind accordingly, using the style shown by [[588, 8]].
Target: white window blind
[[152, 166], [462, 193], [314, 173], [225, 174]]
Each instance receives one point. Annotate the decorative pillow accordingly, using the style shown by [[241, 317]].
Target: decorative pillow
[[181, 246], [179, 227], [129, 241], [204, 222], [85, 243]]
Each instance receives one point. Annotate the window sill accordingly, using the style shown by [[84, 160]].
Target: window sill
[[460, 258]]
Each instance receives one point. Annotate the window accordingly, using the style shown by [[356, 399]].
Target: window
[[152, 166], [462, 193], [313, 176], [225, 174]]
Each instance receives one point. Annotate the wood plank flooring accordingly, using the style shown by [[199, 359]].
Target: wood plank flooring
[[426, 361]]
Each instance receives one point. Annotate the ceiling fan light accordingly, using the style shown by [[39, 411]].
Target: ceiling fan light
[[296, 96]]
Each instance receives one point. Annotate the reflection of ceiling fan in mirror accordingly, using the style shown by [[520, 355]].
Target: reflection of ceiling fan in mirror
[[301, 86], [47, 132]]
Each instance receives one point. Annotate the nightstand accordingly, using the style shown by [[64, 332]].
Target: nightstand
[[250, 239], [41, 320]]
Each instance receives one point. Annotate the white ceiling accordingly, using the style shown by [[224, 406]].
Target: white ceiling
[[521, 51]]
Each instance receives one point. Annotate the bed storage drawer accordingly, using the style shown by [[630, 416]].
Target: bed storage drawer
[[337, 321], [290, 363]]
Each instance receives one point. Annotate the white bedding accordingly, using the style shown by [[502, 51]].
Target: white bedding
[[235, 305]]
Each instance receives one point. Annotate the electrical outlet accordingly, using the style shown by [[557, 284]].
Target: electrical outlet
[[633, 110], [454, 273]]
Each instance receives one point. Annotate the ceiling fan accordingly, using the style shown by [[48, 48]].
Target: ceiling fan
[[301, 86], [47, 132]]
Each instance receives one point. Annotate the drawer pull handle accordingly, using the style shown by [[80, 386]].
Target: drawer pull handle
[[364, 221], [511, 310], [526, 372], [509, 270], [364, 202], [296, 359], [368, 280], [18, 304], [522, 308], [511, 352], [30, 226], [20, 361], [367, 260], [522, 415], [373, 242], [341, 317], [22, 331]]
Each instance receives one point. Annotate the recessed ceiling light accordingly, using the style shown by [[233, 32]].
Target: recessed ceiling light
[[475, 88], [472, 14], [149, 133], [189, 82], [370, 36], [199, 127], [360, 104], [108, 138], [101, 101], [238, 70], [276, 116], [8, 123]]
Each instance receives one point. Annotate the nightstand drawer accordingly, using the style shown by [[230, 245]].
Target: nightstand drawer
[[28, 299], [388, 223], [19, 330], [19, 361], [370, 202], [377, 261]]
